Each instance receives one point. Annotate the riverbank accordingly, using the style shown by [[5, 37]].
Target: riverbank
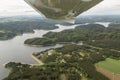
[[12, 53], [40, 45], [37, 60]]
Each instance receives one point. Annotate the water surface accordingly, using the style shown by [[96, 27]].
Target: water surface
[[14, 50]]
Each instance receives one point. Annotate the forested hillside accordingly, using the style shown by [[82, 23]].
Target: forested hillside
[[10, 27], [93, 34]]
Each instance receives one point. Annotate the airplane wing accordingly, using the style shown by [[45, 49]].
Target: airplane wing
[[62, 9]]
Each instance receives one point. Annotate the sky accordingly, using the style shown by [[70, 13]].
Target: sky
[[20, 7]]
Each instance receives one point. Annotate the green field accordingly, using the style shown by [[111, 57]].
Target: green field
[[1, 31], [111, 65]]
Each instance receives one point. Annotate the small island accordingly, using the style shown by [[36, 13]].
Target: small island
[[92, 34]]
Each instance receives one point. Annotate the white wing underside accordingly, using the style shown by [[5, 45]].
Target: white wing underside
[[62, 9]]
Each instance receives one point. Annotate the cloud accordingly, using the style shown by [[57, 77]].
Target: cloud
[[15, 7], [20, 7], [106, 7]]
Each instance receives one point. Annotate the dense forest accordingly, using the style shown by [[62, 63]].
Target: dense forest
[[93, 34], [10, 27], [84, 46], [70, 62]]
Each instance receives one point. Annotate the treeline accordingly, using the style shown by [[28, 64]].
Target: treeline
[[6, 35], [70, 62], [84, 52], [83, 57], [97, 18], [115, 25], [80, 57], [24, 25], [80, 33], [45, 72], [93, 34], [41, 41], [21, 27]]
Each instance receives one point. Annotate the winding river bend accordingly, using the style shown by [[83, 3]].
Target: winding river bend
[[14, 50]]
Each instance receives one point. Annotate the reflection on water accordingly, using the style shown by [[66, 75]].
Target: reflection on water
[[106, 24]]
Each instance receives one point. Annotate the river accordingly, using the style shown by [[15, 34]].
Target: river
[[106, 24], [14, 50]]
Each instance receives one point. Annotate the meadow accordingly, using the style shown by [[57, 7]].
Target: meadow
[[111, 65]]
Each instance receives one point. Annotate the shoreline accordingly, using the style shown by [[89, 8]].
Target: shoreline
[[37, 60], [4, 64], [39, 45], [61, 43]]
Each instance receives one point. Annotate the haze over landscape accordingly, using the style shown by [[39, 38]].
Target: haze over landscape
[[36, 48]]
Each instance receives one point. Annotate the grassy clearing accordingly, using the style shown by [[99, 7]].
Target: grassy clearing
[[84, 78], [111, 65], [82, 54], [1, 31]]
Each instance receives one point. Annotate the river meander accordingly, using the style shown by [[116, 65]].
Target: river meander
[[14, 50]]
